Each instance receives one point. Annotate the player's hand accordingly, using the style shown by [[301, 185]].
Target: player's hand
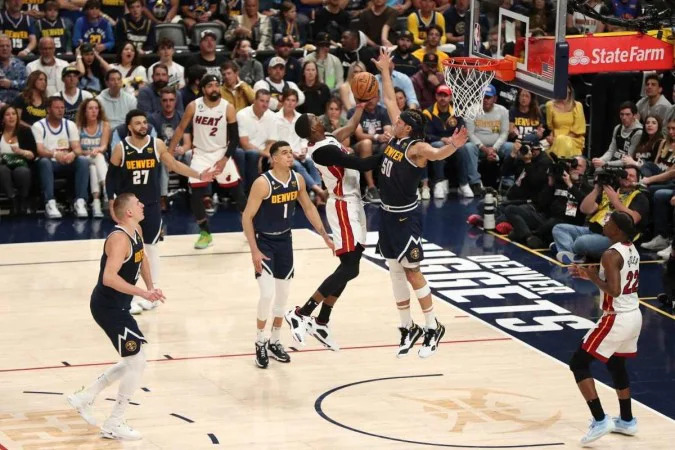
[[329, 242], [459, 137], [220, 165], [156, 295], [257, 257], [209, 174], [360, 105], [384, 61], [179, 150], [584, 273]]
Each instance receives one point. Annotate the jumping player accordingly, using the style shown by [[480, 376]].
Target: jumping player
[[122, 261], [346, 217], [214, 121], [402, 168], [616, 334], [134, 167], [267, 227]]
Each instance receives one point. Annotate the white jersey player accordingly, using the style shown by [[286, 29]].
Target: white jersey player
[[346, 217], [616, 334], [215, 139]]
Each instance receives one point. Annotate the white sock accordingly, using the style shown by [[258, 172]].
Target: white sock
[[104, 380], [274, 338], [260, 336], [404, 313], [131, 381], [430, 319]]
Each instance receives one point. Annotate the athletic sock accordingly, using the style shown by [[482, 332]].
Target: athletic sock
[[430, 319], [276, 332], [404, 313], [596, 409], [204, 226], [308, 307], [625, 408], [324, 314], [260, 336]]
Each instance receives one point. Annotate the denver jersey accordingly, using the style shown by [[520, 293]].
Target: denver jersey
[[209, 126], [341, 182], [277, 209], [130, 271], [399, 177], [17, 30], [140, 171], [630, 279]]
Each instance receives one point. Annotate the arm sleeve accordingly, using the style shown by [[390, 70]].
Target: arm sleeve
[[111, 179], [233, 133], [331, 155]]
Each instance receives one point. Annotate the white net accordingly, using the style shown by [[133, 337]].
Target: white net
[[468, 85]]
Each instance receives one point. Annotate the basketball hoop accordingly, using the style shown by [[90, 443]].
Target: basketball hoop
[[469, 78]]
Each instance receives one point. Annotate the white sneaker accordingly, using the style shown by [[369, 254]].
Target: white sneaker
[[113, 429], [597, 430], [622, 427], [82, 403], [96, 208], [439, 191], [426, 193], [322, 334], [665, 253], [465, 191], [135, 307], [298, 325], [51, 211], [657, 243], [81, 208]]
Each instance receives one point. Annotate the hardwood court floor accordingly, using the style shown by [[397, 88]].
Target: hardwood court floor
[[483, 389]]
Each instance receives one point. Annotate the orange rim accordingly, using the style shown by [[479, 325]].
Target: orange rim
[[505, 69]]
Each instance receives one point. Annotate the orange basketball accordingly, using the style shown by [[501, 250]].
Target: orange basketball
[[365, 86]]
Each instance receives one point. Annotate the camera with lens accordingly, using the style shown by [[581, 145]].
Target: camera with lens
[[529, 143], [610, 176], [560, 166]]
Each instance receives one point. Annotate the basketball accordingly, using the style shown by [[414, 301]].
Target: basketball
[[365, 86]]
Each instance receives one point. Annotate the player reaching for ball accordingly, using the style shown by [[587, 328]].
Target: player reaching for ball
[[403, 165]]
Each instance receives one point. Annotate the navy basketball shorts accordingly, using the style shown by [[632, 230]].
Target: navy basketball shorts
[[401, 236], [279, 249], [151, 225], [119, 325]]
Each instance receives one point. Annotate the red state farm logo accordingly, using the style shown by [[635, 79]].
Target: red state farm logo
[[579, 58]]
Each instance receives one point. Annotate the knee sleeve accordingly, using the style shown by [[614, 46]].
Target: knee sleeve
[[266, 285], [133, 373], [580, 365], [282, 289], [196, 203], [617, 369], [399, 282], [152, 252]]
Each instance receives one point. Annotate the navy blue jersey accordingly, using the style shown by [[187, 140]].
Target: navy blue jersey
[[17, 30], [140, 171], [130, 270], [59, 30], [399, 177], [71, 108], [276, 211]]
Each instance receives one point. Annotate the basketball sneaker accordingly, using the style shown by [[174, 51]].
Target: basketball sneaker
[[322, 334], [629, 428], [261, 358], [205, 240], [598, 429], [432, 337], [82, 403], [298, 325], [277, 352], [134, 307], [118, 429], [409, 336]]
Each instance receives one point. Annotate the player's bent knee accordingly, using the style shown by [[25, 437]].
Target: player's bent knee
[[399, 282], [580, 365]]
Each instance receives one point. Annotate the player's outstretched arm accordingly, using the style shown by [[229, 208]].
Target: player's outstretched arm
[[332, 155], [383, 64], [424, 150], [259, 190], [182, 126], [312, 214], [176, 166], [117, 249], [343, 133]]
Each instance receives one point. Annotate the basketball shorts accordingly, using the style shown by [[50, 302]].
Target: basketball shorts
[[279, 249], [401, 236], [202, 160], [118, 324], [614, 334], [347, 221], [151, 225]]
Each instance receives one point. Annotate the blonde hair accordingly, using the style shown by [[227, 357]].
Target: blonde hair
[[350, 72]]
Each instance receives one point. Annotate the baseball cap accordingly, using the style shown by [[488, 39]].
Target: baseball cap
[[277, 61], [532, 140], [490, 91], [208, 33], [443, 89], [322, 38], [405, 34], [430, 59], [68, 70]]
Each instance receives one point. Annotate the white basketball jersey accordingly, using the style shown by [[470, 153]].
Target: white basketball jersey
[[209, 126], [630, 281], [340, 181]]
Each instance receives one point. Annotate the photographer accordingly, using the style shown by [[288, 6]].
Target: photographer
[[625, 138], [615, 190]]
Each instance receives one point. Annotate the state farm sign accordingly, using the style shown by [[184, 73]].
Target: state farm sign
[[589, 54]]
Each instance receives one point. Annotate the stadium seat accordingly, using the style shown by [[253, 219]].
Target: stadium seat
[[175, 32]]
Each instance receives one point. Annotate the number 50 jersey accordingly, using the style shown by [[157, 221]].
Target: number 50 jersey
[[140, 171]]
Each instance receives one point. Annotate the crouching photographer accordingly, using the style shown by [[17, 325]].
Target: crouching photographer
[[615, 189]]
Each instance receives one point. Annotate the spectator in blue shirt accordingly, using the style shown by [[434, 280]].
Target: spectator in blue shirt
[[94, 29], [12, 72], [404, 83]]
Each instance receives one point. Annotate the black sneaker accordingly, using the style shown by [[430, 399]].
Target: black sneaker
[[408, 338], [277, 352], [261, 359], [432, 337], [478, 189]]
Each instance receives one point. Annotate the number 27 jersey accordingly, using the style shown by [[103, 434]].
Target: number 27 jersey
[[140, 171]]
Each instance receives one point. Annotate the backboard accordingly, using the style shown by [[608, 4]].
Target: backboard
[[497, 28]]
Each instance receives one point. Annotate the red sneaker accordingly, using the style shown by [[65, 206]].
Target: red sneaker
[[503, 228], [475, 220]]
